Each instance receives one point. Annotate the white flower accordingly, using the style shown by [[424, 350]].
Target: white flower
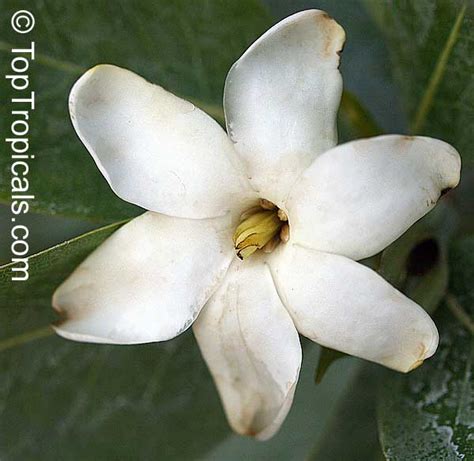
[[154, 276]]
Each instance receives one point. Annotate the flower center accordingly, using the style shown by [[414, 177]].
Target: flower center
[[261, 227]]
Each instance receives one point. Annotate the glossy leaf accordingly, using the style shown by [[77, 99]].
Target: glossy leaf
[[429, 414], [431, 48]]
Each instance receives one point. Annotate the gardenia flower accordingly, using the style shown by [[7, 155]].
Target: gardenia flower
[[252, 236]]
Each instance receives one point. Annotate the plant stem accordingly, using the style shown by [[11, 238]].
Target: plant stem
[[438, 73], [24, 338], [461, 315]]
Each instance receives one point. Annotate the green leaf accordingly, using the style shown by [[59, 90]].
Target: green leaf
[[431, 47], [351, 433], [326, 359], [187, 47], [429, 414], [66, 400]]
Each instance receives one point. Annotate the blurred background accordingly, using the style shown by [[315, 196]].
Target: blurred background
[[81, 402]]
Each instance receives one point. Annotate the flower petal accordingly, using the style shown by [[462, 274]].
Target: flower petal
[[147, 282], [252, 349], [346, 306], [359, 197], [281, 99], [156, 150]]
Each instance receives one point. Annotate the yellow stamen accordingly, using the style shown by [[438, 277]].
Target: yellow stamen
[[246, 252], [250, 212], [271, 245], [255, 232]]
